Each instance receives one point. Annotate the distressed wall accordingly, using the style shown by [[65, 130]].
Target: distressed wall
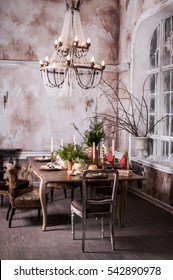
[[28, 30]]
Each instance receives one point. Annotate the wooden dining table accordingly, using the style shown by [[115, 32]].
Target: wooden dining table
[[50, 176]]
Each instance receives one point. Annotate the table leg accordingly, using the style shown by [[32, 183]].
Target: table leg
[[42, 193]]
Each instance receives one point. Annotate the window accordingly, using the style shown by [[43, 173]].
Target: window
[[161, 88]]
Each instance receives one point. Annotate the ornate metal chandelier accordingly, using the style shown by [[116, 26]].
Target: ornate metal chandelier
[[69, 70]]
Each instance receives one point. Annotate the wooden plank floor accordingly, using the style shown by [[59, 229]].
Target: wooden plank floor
[[147, 234]]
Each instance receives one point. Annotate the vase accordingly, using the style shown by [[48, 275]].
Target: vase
[[70, 165], [141, 146], [79, 167]]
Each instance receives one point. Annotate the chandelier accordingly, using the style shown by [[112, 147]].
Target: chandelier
[[69, 70]]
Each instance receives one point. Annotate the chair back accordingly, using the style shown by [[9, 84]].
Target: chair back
[[1, 167], [11, 178], [100, 178]]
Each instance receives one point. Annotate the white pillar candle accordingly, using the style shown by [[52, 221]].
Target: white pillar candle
[[113, 147], [62, 143], [51, 145], [94, 151], [105, 150], [74, 140]]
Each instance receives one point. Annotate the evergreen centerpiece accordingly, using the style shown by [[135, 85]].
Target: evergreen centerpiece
[[72, 153], [95, 134]]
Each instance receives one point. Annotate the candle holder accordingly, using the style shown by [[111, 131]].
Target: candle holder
[[113, 162], [104, 164]]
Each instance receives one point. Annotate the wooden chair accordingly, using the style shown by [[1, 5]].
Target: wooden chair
[[21, 195], [64, 187], [93, 207], [3, 185]]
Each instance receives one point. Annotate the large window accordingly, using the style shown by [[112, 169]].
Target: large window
[[161, 88]]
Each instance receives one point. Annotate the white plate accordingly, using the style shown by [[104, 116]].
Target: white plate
[[52, 167]]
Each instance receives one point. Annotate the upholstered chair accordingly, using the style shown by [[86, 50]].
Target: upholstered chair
[[20, 196]]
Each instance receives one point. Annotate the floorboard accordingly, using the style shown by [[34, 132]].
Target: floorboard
[[147, 234]]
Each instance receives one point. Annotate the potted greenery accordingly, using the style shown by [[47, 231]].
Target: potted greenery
[[95, 134], [71, 154]]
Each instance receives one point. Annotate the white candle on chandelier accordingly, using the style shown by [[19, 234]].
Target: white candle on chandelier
[[56, 43], [88, 42], [41, 63], [103, 64], [68, 59], [60, 41], [92, 62], [76, 39], [46, 60]]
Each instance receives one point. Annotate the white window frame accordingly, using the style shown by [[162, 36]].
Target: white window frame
[[140, 51]]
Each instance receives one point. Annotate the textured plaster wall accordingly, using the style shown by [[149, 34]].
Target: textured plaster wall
[[28, 30]]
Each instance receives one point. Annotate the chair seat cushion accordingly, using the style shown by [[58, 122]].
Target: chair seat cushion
[[77, 204], [22, 183], [26, 198]]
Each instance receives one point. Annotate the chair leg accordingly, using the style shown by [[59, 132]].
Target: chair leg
[[8, 212], [11, 217], [51, 194], [1, 199], [72, 224], [112, 227], [83, 232], [81, 191]]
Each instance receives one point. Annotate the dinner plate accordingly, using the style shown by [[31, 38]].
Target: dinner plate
[[51, 167], [97, 176], [43, 159]]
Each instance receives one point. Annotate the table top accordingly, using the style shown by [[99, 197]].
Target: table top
[[63, 176]]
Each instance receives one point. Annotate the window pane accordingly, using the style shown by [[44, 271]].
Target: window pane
[[166, 126], [171, 102], [166, 103], [154, 50], [171, 80], [167, 41], [151, 124], [152, 104], [164, 148], [167, 81], [171, 126], [150, 146], [171, 149]]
